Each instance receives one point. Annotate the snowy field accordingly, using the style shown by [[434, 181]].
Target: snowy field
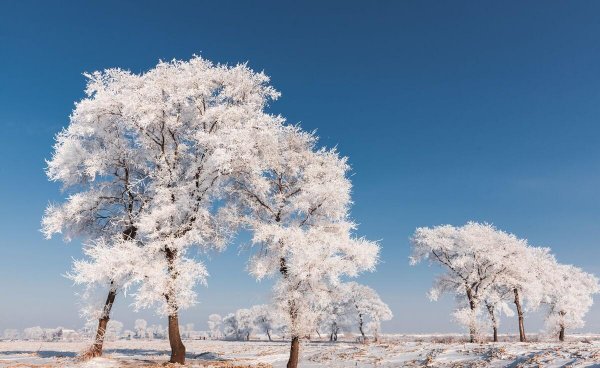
[[394, 351]]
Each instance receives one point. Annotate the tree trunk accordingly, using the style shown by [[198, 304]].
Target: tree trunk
[[294, 353], [269, 335], [561, 334], [522, 336], [472, 333], [177, 347], [96, 349], [295, 346], [490, 309], [360, 327], [334, 330], [472, 330]]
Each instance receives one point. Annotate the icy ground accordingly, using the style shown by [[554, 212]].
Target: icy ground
[[394, 351]]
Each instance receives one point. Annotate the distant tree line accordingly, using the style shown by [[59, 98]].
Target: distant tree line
[[488, 270]]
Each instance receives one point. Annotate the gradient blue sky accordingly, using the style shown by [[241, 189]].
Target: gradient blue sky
[[449, 112]]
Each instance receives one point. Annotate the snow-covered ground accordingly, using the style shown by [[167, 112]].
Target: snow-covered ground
[[393, 351]]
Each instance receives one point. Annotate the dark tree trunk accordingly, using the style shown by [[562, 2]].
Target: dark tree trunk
[[294, 353], [96, 349], [360, 327], [269, 335], [334, 331], [295, 346], [472, 331], [490, 309], [522, 336], [561, 333], [177, 347]]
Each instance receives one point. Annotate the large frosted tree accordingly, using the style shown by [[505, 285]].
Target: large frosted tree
[[298, 211], [105, 177], [183, 129]]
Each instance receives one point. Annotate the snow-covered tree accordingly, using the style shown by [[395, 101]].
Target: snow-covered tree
[[110, 262], [38, 333], [238, 325], [367, 307], [245, 323], [332, 319], [113, 332], [496, 300], [493, 269], [157, 332], [474, 256], [569, 295], [298, 211], [230, 326], [128, 334], [34, 333], [11, 334], [523, 281], [214, 326], [354, 307], [140, 327], [53, 334], [180, 131], [263, 319], [188, 330], [97, 161]]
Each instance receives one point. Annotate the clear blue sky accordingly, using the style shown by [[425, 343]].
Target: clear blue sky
[[449, 112]]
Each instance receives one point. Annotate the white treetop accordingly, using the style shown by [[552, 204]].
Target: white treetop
[[355, 307], [162, 143], [474, 256], [140, 327], [569, 295], [264, 320], [146, 157], [368, 308], [214, 325], [239, 325], [492, 268], [298, 211]]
